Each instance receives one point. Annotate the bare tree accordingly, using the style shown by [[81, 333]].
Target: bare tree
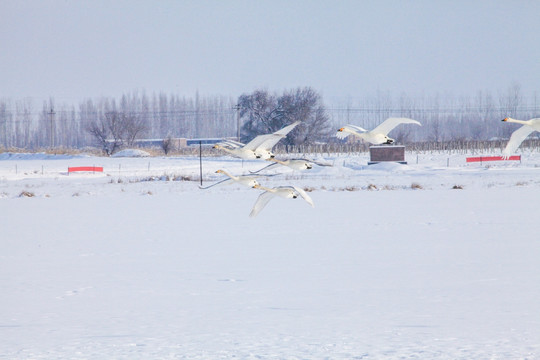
[[258, 113], [109, 132], [134, 127], [404, 134], [166, 144], [262, 112], [305, 105], [509, 105], [5, 117]]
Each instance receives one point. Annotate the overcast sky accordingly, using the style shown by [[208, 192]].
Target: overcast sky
[[344, 49]]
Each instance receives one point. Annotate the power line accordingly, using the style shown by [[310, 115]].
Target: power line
[[232, 112]]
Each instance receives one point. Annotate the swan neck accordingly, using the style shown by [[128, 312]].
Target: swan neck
[[229, 175], [230, 151], [524, 122]]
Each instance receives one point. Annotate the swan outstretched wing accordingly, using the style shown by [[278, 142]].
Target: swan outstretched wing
[[353, 128], [317, 162], [268, 143], [209, 186], [260, 139], [261, 202], [320, 163], [287, 129], [266, 167], [311, 161], [516, 139], [387, 125], [304, 195], [231, 143]]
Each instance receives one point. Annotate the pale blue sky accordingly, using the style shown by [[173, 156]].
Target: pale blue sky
[[344, 49]]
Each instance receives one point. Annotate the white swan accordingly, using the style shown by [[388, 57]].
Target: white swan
[[288, 192], [520, 134], [244, 180], [295, 164], [246, 151], [258, 148], [265, 148], [379, 135]]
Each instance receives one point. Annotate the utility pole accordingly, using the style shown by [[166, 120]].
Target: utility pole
[[51, 135], [237, 108], [200, 159]]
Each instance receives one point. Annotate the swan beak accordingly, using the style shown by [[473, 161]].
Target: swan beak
[[341, 129], [505, 119]]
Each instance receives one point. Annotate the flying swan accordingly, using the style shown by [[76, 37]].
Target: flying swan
[[295, 164], [259, 147], [265, 149], [520, 134], [244, 180], [287, 192], [245, 151], [379, 135]]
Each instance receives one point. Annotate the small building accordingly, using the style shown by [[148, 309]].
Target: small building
[[204, 141], [177, 143]]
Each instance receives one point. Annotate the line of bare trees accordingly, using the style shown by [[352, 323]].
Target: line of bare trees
[[112, 123], [444, 118], [133, 116]]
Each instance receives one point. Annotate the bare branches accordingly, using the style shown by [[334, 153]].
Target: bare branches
[[262, 112], [108, 132], [166, 144], [134, 126]]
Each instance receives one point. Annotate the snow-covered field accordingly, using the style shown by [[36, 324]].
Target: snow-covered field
[[391, 263]]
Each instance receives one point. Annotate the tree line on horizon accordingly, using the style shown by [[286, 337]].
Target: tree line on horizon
[[94, 123]]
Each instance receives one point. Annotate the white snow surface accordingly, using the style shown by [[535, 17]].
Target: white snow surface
[[392, 263], [131, 153]]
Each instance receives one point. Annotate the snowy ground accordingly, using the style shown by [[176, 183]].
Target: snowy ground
[[392, 263]]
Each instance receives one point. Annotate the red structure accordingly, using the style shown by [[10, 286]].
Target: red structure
[[85, 168], [492, 158]]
